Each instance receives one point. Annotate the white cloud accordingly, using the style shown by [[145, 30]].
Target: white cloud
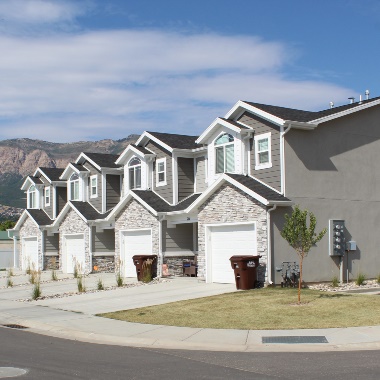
[[39, 11], [108, 84]]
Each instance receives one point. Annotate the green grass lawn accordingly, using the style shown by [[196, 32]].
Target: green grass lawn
[[262, 309]]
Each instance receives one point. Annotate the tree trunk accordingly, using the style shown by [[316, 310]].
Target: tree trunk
[[300, 280]]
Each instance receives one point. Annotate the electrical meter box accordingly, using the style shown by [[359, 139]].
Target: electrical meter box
[[351, 245], [337, 243]]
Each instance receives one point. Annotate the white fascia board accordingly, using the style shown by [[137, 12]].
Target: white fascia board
[[147, 136], [25, 185], [127, 150], [306, 126], [346, 112], [119, 206], [66, 173], [82, 157], [240, 105], [138, 199], [21, 220], [210, 128], [38, 170], [77, 211], [247, 191], [281, 203]]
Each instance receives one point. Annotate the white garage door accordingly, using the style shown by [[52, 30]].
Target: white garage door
[[226, 241], [30, 254], [73, 253], [137, 242]]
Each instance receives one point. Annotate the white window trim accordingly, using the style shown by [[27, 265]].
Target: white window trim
[[32, 205], [134, 173], [71, 196], [233, 143], [47, 189], [95, 176], [163, 183], [257, 138]]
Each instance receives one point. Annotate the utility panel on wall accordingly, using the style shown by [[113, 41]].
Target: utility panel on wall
[[337, 241]]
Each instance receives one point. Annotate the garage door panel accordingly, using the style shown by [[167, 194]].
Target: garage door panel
[[30, 254], [138, 242], [227, 241], [74, 252]]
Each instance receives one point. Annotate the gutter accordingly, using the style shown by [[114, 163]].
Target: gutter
[[269, 246], [282, 147]]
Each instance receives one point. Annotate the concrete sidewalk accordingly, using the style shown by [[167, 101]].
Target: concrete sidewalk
[[74, 318]]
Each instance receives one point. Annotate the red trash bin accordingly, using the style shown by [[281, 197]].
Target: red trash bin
[[245, 269]]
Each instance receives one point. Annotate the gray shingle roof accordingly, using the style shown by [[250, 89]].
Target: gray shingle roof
[[52, 173], [142, 149], [234, 123], [258, 188], [104, 160], [81, 168], [40, 217], [177, 141], [36, 180], [159, 205], [305, 116], [88, 211]]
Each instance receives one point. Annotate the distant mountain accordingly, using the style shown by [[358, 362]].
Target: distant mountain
[[21, 157]]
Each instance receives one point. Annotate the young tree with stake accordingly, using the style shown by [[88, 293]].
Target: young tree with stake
[[301, 236]]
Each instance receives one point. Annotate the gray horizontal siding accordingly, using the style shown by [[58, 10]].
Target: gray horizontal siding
[[61, 198], [113, 190], [96, 202], [178, 238], [185, 177], [165, 192], [51, 243], [200, 175], [270, 176], [103, 241]]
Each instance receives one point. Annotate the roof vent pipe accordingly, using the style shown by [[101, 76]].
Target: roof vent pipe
[[351, 99], [367, 94], [331, 104], [360, 99]]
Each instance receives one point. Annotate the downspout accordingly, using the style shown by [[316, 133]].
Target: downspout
[[15, 252], [90, 247], [160, 260], [269, 245], [42, 249], [282, 147]]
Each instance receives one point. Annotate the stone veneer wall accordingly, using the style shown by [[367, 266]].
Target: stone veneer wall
[[135, 216], [73, 224], [231, 205], [175, 264], [105, 264], [51, 262], [30, 229]]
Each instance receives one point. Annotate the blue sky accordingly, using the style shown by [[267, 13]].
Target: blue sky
[[92, 70]]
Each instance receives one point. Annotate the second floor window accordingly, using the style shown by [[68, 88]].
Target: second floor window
[[263, 151], [74, 187], [224, 154], [134, 169], [161, 172], [32, 197], [94, 186], [47, 196]]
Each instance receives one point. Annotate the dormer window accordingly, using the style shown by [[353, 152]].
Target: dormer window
[[224, 154], [32, 197], [134, 170], [94, 186], [74, 187]]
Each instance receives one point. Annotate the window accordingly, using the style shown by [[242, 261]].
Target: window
[[224, 154], [47, 196], [74, 187], [94, 186], [134, 170], [263, 151], [32, 197], [161, 172]]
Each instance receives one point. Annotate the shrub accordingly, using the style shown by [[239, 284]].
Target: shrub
[[335, 282], [10, 272], [34, 275], [9, 282], [360, 279], [36, 293], [54, 276], [147, 271], [80, 284], [119, 279], [100, 285]]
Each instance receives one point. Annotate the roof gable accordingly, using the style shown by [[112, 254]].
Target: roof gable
[[99, 160]]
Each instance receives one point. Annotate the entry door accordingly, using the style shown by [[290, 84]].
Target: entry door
[[226, 241], [74, 249], [136, 242], [30, 254]]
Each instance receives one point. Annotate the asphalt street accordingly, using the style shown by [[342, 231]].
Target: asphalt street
[[44, 357]]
